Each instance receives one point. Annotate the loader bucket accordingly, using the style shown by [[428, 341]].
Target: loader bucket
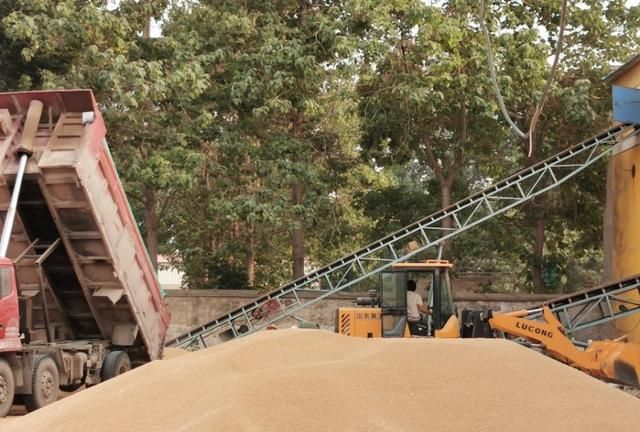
[[626, 373], [620, 361]]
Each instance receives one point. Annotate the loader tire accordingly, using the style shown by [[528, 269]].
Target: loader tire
[[70, 388], [116, 363], [7, 388], [45, 383]]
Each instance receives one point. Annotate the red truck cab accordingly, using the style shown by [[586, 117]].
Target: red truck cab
[[9, 315]]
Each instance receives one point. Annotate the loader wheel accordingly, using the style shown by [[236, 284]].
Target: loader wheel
[[45, 383], [116, 363], [7, 388], [70, 388]]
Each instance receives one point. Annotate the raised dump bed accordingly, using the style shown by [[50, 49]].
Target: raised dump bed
[[75, 242]]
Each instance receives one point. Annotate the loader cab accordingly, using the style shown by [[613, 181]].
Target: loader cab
[[9, 316], [433, 285]]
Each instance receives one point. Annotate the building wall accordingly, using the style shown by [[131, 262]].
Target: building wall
[[622, 216], [631, 78], [169, 277]]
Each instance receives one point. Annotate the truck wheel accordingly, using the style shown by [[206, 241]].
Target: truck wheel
[[7, 388], [44, 383], [116, 363]]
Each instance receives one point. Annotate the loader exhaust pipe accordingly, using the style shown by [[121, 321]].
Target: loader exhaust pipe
[[24, 151]]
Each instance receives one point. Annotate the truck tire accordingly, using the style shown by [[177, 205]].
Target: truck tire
[[116, 363], [45, 383], [7, 388]]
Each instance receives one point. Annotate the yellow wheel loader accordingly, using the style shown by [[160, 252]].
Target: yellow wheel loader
[[384, 314]]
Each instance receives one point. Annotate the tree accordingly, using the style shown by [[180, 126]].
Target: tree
[[577, 104], [423, 95], [259, 138], [273, 65], [140, 82]]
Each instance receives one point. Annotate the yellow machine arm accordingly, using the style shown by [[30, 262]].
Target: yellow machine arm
[[614, 361]]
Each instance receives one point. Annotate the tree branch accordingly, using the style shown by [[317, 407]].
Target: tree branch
[[435, 166], [552, 72], [166, 202]]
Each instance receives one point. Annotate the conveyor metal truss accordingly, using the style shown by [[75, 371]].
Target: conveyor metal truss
[[406, 243], [594, 306]]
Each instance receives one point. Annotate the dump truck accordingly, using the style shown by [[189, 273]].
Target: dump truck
[[79, 298]]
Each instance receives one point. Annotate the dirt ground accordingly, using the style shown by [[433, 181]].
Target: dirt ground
[[16, 412], [19, 411], [312, 380]]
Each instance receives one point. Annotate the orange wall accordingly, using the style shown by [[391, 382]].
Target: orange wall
[[622, 217]]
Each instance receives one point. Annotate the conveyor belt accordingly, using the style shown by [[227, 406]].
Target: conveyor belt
[[406, 243]]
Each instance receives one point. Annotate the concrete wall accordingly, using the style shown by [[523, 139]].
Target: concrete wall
[[190, 308]]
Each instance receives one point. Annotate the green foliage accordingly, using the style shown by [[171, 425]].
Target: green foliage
[[282, 116], [382, 110]]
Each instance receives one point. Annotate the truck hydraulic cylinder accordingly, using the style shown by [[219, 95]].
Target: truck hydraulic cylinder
[[24, 151]]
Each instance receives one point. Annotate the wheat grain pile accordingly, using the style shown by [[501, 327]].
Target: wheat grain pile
[[312, 380]]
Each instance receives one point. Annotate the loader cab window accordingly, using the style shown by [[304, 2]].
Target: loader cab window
[[393, 290], [5, 281], [446, 299], [393, 303]]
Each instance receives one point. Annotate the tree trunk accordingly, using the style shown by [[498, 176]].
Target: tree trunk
[[146, 31], [250, 258], [538, 208], [445, 191], [537, 266], [151, 224], [446, 176], [297, 232]]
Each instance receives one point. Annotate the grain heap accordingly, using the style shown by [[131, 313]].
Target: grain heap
[[308, 380]]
